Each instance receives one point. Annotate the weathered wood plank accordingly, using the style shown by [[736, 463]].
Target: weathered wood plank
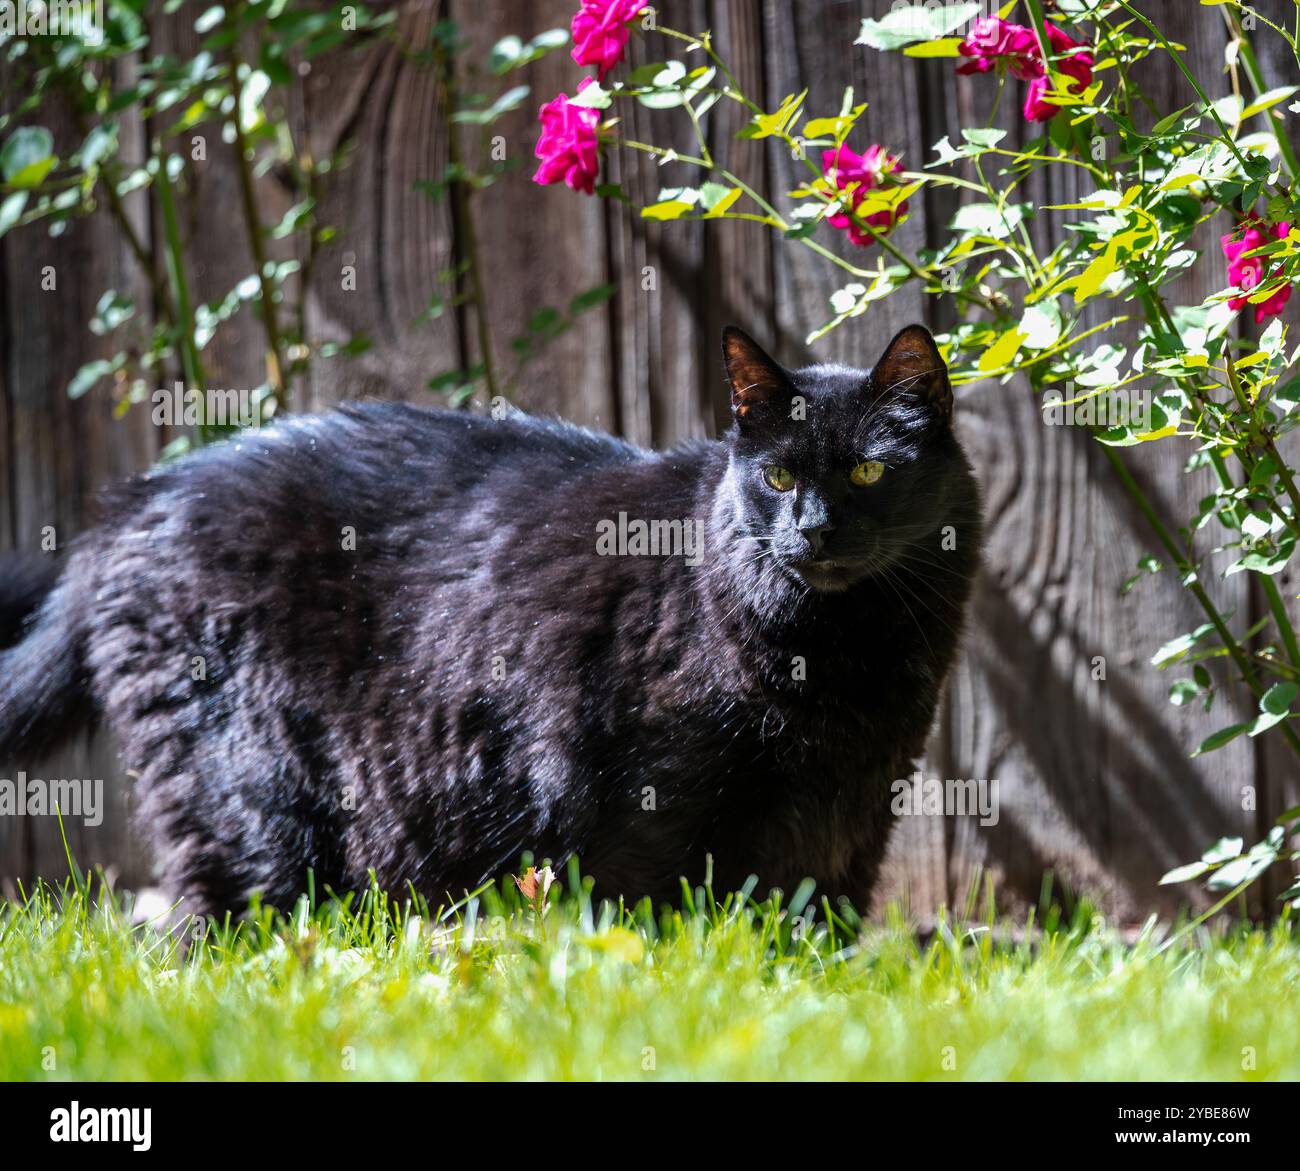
[[541, 246], [380, 104], [55, 454]]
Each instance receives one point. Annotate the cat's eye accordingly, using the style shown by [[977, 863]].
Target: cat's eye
[[781, 479], [867, 473]]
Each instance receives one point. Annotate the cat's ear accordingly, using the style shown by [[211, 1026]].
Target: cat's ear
[[911, 367], [757, 382]]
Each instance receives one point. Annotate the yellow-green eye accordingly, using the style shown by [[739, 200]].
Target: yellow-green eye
[[866, 474], [778, 478]]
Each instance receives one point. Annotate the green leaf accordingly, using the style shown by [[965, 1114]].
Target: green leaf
[[985, 136], [669, 209], [209, 20], [99, 144], [11, 210], [1277, 699], [1183, 692], [513, 98], [712, 193], [779, 121], [1220, 738], [1168, 122], [1184, 873], [28, 156], [88, 377], [1041, 325], [987, 219], [1288, 815], [511, 53], [665, 90], [1266, 101], [1003, 351], [1176, 648], [293, 219], [651, 75], [942, 47], [1274, 707], [505, 54], [590, 299], [1244, 869], [1224, 850], [112, 310]]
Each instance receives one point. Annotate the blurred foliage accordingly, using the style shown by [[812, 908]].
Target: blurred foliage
[[234, 94]]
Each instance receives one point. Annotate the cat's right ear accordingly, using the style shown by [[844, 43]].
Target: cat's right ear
[[757, 382]]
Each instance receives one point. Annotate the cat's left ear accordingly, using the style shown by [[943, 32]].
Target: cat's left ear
[[757, 382], [912, 367]]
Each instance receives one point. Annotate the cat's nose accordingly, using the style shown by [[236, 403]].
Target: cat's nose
[[816, 535]]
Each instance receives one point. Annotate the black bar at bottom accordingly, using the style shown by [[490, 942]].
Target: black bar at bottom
[[337, 1119]]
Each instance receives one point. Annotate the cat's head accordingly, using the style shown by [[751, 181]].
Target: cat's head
[[839, 474]]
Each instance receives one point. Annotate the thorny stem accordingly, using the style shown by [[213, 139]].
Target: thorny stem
[[1236, 891], [1265, 441], [1256, 77], [1229, 141], [666, 153], [144, 259], [465, 222], [1230, 644], [253, 228], [190, 361], [1156, 308]]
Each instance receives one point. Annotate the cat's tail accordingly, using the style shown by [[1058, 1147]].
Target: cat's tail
[[44, 689], [26, 580]]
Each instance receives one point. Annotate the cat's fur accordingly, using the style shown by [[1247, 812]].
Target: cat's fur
[[472, 680]]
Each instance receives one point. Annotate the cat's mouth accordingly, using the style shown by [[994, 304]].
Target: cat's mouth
[[825, 573]]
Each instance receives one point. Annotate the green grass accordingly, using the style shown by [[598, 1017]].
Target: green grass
[[730, 990]]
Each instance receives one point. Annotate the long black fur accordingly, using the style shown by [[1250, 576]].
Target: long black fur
[[26, 580], [383, 639]]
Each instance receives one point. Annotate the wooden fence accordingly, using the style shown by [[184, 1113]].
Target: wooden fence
[[1096, 783]]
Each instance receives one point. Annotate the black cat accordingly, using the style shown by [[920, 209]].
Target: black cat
[[422, 642]]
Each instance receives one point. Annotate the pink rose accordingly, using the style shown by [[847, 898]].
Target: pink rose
[[1036, 109], [993, 39], [600, 32], [1247, 272], [1074, 60], [569, 146], [873, 168]]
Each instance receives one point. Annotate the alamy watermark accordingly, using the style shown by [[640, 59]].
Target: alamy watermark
[[919, 796], [957, 15], [76, 1123], [53, 18], [634, 537], [183, 406], [34, 797], [1122, 406]]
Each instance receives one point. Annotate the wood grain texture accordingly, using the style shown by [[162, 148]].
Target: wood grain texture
[[1095, 778]]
